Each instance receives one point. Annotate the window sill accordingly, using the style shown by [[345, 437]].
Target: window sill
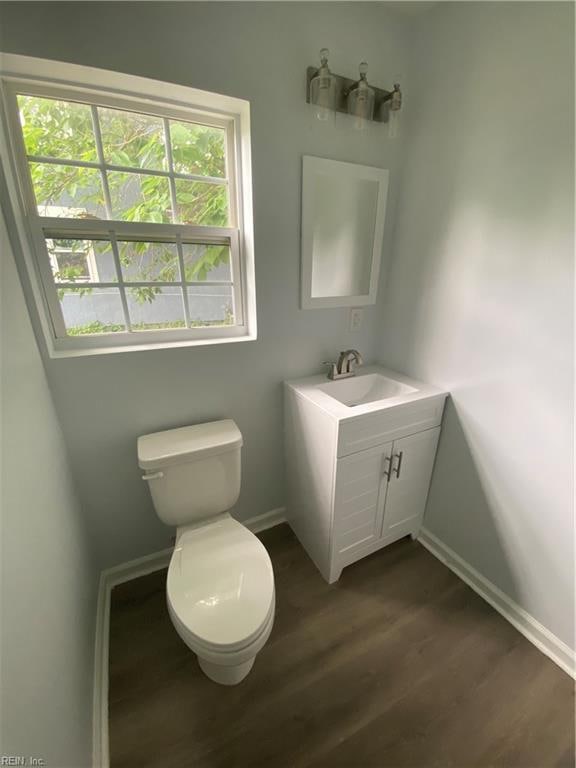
[[57, 353]]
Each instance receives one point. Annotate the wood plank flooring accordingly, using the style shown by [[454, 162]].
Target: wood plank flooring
[[398, 664]]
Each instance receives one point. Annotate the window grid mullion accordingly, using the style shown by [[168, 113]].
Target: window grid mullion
[[168, 148], [183, 278], [127, 169], [101, 165], [149, 284], [237, 280], [120, 285], [61, 226]]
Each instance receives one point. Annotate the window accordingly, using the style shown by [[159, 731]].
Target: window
[[137, 212]]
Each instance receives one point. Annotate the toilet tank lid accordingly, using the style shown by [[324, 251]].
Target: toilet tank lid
[[175, 446]]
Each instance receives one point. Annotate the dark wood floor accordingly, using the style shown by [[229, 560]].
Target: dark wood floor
[[398, 664]]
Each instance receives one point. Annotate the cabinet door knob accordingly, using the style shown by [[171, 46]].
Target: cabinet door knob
[[387, 467], [398, 466]]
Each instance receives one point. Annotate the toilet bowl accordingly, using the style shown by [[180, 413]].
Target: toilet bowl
[[220, 594], [220, 583]]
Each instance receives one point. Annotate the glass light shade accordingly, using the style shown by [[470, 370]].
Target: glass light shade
[[323, 89], [393, 123], [361, 99], [394, 112]]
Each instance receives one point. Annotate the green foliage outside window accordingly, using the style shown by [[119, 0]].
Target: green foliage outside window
[[64, 130]]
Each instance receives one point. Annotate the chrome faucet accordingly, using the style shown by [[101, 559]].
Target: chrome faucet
[[345, 366]]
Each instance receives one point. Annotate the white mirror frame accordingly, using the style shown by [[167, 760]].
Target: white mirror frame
[[311, 166]]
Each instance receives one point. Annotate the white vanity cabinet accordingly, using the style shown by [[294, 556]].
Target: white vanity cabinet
[[381, 493], [357, 478]]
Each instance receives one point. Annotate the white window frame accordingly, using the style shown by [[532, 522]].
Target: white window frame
[[26, 75]]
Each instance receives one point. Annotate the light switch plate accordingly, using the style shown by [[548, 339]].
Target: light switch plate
[[355, 319]]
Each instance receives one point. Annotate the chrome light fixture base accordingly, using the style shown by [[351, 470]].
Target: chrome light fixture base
[[384, 101]]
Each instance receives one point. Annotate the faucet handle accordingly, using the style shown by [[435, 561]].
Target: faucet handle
[[353, 353], [355, 358], [347, 360]]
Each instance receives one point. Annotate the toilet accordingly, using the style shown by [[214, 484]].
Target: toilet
[[220, 584]]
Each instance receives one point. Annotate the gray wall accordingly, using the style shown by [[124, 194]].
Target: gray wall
[[47, 574], [256, 51], [480, 296]]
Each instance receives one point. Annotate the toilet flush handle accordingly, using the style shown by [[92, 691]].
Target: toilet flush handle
[[153, 476]]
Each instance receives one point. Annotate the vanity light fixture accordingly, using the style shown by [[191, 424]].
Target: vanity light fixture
[[331, 93]]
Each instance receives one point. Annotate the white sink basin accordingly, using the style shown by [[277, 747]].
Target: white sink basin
[[372, 389], [369, 388]]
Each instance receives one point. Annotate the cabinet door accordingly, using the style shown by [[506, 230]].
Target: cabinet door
[[412, 462], [361, 482]]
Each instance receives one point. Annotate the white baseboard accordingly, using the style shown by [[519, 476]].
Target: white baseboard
[[265, 521], [100, 750], [531, 628], [111, 578]]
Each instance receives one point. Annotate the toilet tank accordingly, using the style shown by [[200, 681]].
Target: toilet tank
[[193, 472]]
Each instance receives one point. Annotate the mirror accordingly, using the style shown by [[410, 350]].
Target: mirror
[[343, 211]]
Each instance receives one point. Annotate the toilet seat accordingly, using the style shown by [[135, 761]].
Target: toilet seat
[[220, 588]]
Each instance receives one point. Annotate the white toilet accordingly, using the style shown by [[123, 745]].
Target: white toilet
[[220, 586]]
